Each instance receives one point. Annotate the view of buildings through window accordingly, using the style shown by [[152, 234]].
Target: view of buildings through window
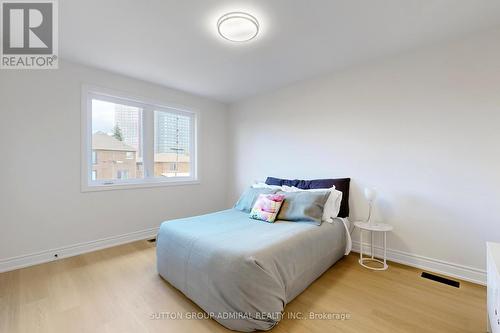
[[172, 135], [117, 142]]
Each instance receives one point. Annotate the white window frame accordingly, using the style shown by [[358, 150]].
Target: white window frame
[[148, 107]]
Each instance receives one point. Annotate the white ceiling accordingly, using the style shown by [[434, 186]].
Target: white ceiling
[[174, 42]]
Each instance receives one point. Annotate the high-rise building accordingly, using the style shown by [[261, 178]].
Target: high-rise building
[[172, 133], [128, 119]]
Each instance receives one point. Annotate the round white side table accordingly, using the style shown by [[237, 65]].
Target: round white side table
[[374, 227]]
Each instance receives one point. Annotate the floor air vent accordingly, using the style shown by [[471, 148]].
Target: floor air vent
[[441, 279]]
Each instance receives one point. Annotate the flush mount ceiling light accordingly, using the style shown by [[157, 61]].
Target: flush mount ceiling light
[[238, 26]]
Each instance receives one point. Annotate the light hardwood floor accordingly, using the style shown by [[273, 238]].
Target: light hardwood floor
[[119, 290]]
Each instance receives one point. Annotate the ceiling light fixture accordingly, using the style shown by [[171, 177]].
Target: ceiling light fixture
[[238, 26]]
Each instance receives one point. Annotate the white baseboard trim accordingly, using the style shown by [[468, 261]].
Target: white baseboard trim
[[13, 263], [462, 272]]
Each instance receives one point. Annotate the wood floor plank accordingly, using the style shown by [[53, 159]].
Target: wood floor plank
[[119, 290]]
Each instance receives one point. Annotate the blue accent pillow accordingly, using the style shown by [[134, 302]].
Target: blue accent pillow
[[248, 198], [303, 206]]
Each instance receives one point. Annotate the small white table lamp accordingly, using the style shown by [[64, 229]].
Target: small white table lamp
[[371, 226], [370, 195]]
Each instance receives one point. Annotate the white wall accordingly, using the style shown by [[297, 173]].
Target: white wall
[[423, 128], [41, 205]]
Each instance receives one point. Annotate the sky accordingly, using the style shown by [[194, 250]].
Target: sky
[[103, 116]]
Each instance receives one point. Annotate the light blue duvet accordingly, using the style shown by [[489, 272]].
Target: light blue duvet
[[242, 271]]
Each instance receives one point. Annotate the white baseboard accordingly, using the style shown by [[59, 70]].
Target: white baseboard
[[462, 272], [10, 264]]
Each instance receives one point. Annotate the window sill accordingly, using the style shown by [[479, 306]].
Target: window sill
[[137, 185]]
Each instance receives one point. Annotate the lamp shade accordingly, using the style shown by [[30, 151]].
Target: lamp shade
[[370, 194]]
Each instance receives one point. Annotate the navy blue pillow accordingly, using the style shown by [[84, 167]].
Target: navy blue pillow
[[341, 184], [302, 184]]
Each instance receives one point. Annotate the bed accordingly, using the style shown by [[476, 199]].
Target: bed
[[243, 272]]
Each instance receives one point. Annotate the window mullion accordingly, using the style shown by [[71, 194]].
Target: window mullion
[[148, 141]]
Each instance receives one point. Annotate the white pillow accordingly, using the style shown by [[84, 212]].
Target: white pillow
[[264, 185], [332, 205]]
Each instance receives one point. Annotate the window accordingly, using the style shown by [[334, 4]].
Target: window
[[134, 143], [172, 144], [122, 174]]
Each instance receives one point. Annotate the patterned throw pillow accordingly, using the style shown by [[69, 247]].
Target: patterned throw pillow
[[266, 207]]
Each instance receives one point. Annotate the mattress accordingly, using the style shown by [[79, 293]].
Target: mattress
[[243, 272]]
